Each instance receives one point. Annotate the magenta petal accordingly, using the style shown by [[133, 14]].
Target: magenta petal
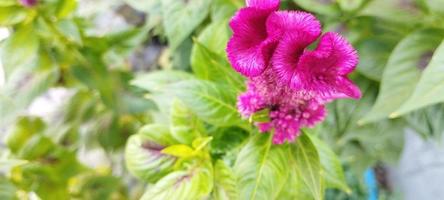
[[249, 49], [342, 57], [293, 21], [288, 52], [323, 71], [264, 4]]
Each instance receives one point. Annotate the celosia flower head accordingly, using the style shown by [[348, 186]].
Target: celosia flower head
[[269, 47], [28, 3]]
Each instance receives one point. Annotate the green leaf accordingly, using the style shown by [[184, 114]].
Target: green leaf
[[157, 81], [24, 129], [225, 185], [143, 153], [208, 65], [350, 5], [309, 165], [20, 49], [8, 3], [201, 142], [194, 183], [329, 8], [402, 72], [11, 15], [179, 150], [212, 103], [218, 44], [261, 168], [65, 8], [181, 18], [184, 125], [394, 10], [430, 88], [7, 189], [224, 9], [331, 165]]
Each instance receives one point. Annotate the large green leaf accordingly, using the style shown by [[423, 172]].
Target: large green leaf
[[217, 44], [143, 155], [261, 168], [430, 88], [193, 183], [180, 18], [331, 165], [212, 103], [402, 72], [157, 81], [309, 165], [225, 185], [208, 65], [184, 125]]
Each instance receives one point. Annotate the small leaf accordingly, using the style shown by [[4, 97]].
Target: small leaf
[[200, 143], [261, 116], [179, 150], [402, 72], [309, 165]]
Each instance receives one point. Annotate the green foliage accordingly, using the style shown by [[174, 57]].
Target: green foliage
[[177, 129]]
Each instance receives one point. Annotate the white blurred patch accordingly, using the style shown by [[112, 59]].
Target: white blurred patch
[[47, 105]]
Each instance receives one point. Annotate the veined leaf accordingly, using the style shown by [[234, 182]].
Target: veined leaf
[[157, 81], [212, 103], [261, 168], [193, 183], [180, 18], [331, 165], [184, 125], [143, 153], [430, 88], [208, 65], [225, 185], [402, 72], [309, 165]]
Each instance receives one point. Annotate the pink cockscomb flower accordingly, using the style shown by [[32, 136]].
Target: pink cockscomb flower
[[293, 83], [28, 3], [250, 48]]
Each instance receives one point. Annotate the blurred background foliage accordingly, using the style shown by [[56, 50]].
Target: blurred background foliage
[[120, 72]]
